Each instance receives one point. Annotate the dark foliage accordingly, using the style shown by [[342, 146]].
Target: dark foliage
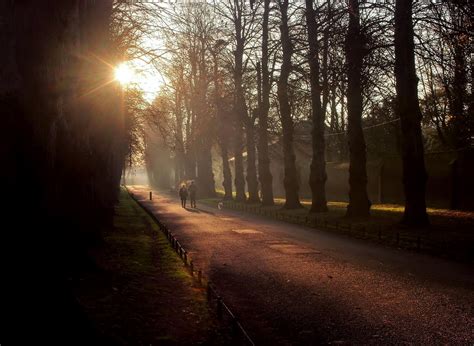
[[64, 143]]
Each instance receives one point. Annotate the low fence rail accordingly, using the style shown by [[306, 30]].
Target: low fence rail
[[382, 233], [223, 312]]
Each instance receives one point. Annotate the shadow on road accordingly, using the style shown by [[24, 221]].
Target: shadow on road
[[198, 211], [205, 211]]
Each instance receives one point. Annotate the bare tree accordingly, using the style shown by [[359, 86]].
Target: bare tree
[[223, 119], [290, 181], [408, 110], [242, 17], [359, 204], [264, 87], [318, 176]]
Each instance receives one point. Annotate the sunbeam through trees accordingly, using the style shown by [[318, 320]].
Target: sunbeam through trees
[[317, 109]]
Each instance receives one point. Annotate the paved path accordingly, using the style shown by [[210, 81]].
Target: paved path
[[296, 285]]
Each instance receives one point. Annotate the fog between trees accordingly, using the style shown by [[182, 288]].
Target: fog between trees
[[242, 77]]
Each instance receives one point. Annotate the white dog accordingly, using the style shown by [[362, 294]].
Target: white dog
[[220, 205]]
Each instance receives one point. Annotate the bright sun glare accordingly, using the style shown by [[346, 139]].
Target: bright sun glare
[[139, 75], [124, 74]]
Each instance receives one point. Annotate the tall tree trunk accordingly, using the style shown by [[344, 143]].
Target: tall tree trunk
[[341, 139], [205, 131], [408, 109], [205, 178], [239, 179], [242, 111], [290, 181], [460, 123], [238, 156], [190, 163], [179, 141], [227, 183], [224, 132], [317, 177], [177, 177], [252, 182], [264, 173], [470, 105], [359, 204]]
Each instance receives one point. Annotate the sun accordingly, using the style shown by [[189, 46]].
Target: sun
[[140, 76], [124, 74]]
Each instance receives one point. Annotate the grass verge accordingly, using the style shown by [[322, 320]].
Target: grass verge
[[140, 292]]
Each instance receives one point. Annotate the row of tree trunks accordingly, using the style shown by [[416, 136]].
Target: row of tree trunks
[[407, 109], [322, 95]]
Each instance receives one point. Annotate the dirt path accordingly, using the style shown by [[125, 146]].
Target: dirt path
[[295, 285]]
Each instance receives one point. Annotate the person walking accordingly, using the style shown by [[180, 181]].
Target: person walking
[[192, 194], [183, 194]]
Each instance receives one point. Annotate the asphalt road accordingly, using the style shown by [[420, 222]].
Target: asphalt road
[[295, 285]]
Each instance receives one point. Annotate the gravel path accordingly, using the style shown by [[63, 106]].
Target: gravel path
[[296, 285]]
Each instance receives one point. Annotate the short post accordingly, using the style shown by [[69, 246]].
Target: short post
[[151, 195], [185, 258], [191, 267], [200, 277]]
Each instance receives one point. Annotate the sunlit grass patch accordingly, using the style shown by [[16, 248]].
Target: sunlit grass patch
[[382, 210]]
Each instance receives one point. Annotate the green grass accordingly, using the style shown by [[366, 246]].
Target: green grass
[[141, 292], [386, 210]]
